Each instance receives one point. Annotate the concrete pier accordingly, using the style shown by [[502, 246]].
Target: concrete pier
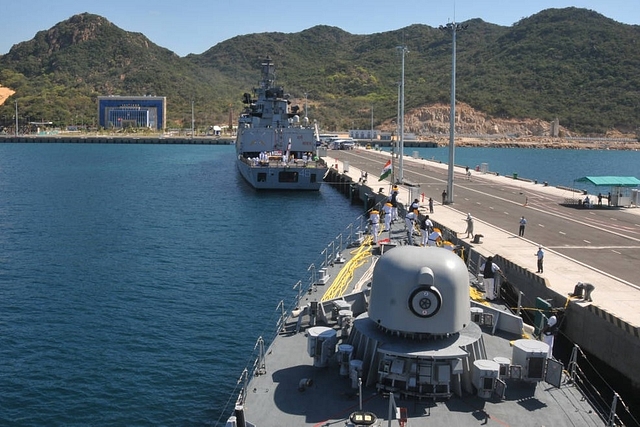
[[597, 246]]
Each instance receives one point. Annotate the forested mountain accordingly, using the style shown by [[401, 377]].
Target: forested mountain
[[573, 64]]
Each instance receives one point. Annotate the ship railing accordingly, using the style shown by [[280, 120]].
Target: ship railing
[[603, 398], [256, 364], [276, 161]]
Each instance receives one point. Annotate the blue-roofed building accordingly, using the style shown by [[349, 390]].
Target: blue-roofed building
[[118, 112]]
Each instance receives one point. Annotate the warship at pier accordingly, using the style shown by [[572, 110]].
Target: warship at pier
[[388, 333], [276, 148]]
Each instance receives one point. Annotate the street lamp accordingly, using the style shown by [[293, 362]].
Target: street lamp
[[371, 135], [400, 177], [16, 117], [193, 120], [453, 28]]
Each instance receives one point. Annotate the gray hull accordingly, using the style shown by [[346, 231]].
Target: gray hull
[[273, 177]]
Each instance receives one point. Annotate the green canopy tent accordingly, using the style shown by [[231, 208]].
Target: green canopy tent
[[621, 193]]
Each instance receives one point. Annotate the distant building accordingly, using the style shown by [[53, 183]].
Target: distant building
[[363, 134], [385, 136], [118, 112]]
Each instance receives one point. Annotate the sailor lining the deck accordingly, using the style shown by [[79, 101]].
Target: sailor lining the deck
[[374, 217], [549, 332]]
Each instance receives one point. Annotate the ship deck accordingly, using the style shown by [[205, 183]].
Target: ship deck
[[290, 391]]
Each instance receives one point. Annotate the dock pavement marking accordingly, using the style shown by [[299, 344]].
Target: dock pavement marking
[[545, 211], [591, 247], [560, 254]]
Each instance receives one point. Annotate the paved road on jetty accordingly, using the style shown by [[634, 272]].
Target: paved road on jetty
[[606, 240]]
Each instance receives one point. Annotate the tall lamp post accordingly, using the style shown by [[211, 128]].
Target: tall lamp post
[[453, 28], [193, 121], [371, 135], [16, 117], [400, 177]]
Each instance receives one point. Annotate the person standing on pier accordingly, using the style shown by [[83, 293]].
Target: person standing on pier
[[523, 222], [430, 205], [469, 230], [444, 197], [540, 255]]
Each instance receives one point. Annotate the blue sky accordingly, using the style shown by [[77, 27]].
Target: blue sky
[[191, 26]]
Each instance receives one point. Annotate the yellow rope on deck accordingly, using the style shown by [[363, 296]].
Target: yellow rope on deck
[[345, 276]]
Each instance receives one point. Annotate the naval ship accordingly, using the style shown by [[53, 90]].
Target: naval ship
[[386, 333], [276, 150]]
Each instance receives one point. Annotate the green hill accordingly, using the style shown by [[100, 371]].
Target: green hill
[[573, 64]]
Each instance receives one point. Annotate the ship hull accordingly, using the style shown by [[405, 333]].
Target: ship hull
[[290, 177]]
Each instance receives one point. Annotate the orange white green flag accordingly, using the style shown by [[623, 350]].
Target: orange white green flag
[[386, 170]]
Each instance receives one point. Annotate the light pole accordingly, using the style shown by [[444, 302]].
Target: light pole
[[371, 139], [16, 117], [453, 28], [400, 177], [193, 120], [305, 104]]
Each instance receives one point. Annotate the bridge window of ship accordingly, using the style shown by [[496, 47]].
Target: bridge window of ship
[[288, 176]]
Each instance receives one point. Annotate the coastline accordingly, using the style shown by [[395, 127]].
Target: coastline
[[626, 143], [546, 143]]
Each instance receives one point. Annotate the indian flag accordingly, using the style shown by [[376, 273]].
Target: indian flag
[[386, 170]]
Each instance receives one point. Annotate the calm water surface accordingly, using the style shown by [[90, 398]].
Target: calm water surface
[[135, 279], [557, 167]]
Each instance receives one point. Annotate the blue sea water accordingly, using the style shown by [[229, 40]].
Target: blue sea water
[[557, 167], [135, 279]]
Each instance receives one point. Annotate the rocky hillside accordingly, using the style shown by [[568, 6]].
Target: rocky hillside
[[571, 64], [434, 120], [474, 128]]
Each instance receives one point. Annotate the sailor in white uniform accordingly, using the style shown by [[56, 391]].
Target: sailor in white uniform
[[425, 228], [409, 220], [387, 216], [549, 332], [394, 203], [434, 238], [374, 217]]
